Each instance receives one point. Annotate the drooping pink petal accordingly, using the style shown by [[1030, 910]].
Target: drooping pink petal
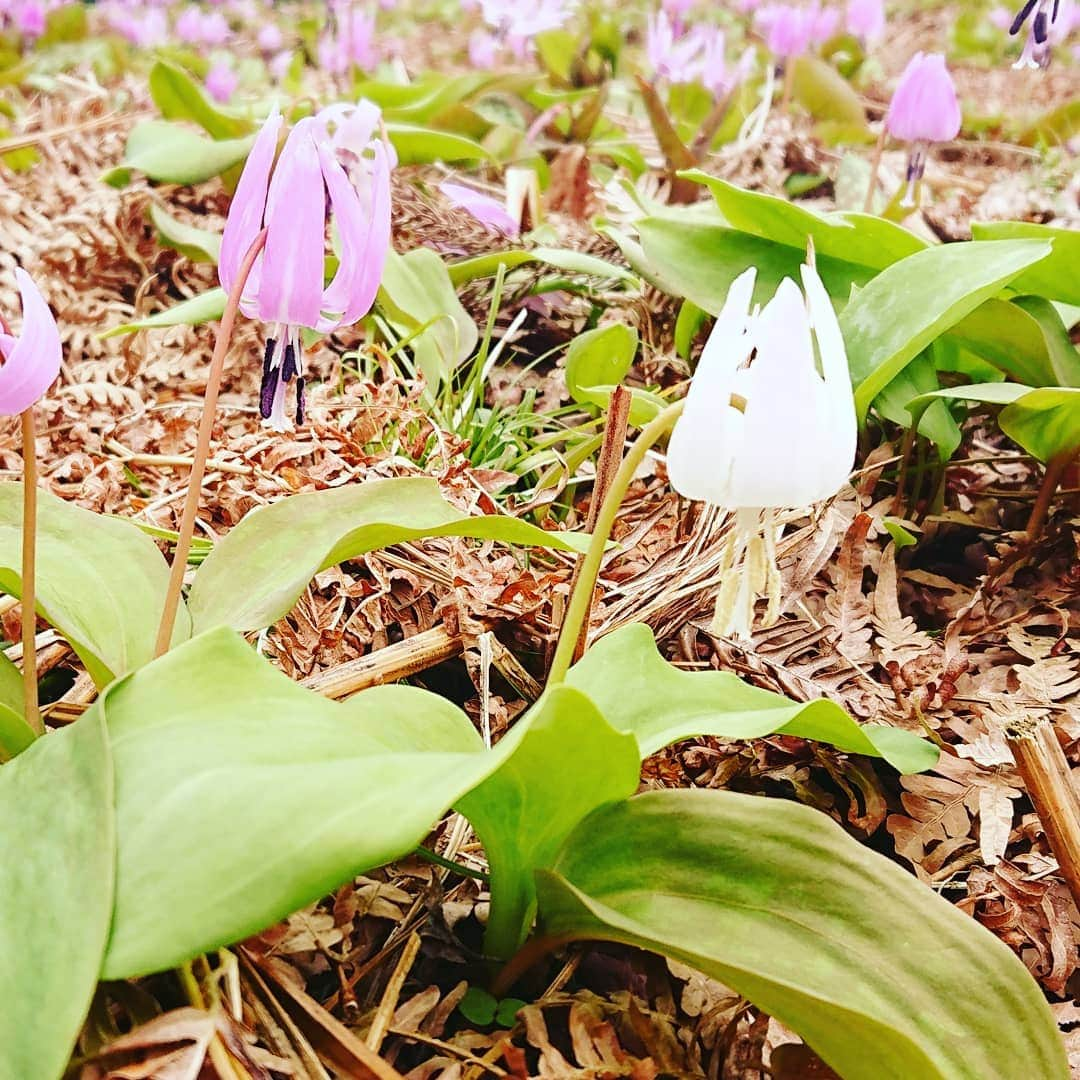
[[488, 211], [924, 107], [247, 211], [32, 360], [363, 234], [221, 82], [291, 281]]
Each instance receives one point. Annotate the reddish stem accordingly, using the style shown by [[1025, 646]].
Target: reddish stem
[[202, 449]]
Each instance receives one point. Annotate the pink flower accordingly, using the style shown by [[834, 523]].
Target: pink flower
[[677, 9], [343, 175], [1047, 26], [221, 82], [923, 110], [671, 53], [483, 48], [788, 29], [488, 211], [350, 42], [30, 18], [270, 39], [31, 361], [824, 22], [866, 19]]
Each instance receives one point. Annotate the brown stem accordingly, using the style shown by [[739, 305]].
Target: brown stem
[[901, 472], [202, 449], [711, 125], [532, 952], [789, 85], [29, 552], [1046, 774], [1055, 470], [875, 168], [607, 466]]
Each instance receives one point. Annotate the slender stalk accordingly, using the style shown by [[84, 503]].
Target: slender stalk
[[29, 553], [223, 1062], [581, 598], [532, 952], [875, 168], [1055, 470], [202, 450], [788, 86], [607, 465], [712, 124]]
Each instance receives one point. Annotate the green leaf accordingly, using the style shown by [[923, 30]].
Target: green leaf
[[883, 978], [864, 239], [901, 537], [1054, 128], [575, 262], [15, 733], [559, 763], [478, 1006], [639, 692], [179, 97], [256, 572], [825, 94], [172, 154], [1064, 359], [199, 245], [1007, 336], [909, 304], [56, 876], [920, 377], [422, 146], [699, 261], [1045, 422], [101, 581], [598, 360], [417, 294], [206, 307], [241, 797], [1055, 277]]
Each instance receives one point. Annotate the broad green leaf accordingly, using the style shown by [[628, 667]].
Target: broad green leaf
[[417, 102], [179, 97], [15, 732], [558, 764], [241, 797], [206, 307], [257, 571], [639, 692], [920, 377], [597, 361], [421, 146], [859, 238], [1055, 277], [416, 292], [699, 261], [883, 978], [101, 582], [1063, 356], [576, 262], [1045, 422], [909, 304], [57, 850], [1007, 336], [825, 94], [173, 154], [199, 245]]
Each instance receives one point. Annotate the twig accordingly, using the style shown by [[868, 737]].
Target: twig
[[875, 168], [202, 449], [1046, 774], [385, 1013]]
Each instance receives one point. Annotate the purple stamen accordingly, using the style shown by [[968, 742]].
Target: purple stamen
[[267, 392], [1021, 16]]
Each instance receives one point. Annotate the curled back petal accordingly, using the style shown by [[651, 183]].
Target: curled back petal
[[31, 361]]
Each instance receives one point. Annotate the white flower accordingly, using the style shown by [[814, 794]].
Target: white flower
[[769, 424]]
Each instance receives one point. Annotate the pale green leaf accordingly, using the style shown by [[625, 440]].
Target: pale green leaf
[[57, 850], [199, 245], [171, 153], [205, 307], [639, 692], [257, 571], [101, 582], [1055, 277], [883, 978]]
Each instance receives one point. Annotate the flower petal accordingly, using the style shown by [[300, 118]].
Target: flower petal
[[291, 284], [248, 206], [32, 361]]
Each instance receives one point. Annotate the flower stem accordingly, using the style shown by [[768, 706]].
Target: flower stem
[[202, 450], [581, 597], [875, 169], [29, 551], [1055, 469]]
